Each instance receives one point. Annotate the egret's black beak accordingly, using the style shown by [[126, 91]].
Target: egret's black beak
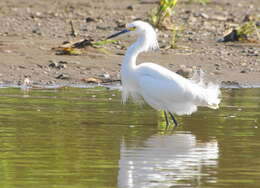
[[119, 33]]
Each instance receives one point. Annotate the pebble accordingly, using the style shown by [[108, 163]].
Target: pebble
[[53, 64], [106, 75], [37, 31], [185, 72], [243, 64], [89, 19], [63, 76], [130, 7], [21, 67], [58, 65], [203, 15], [51, 82]]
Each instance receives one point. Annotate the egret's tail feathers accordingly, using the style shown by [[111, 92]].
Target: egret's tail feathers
[[212, 94]]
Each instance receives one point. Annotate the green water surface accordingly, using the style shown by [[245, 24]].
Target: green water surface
[[84, 138]]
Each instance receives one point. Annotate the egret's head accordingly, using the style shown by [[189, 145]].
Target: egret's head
[[143, 30]]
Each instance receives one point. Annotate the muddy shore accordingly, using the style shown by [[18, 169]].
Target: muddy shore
[[31, 30]]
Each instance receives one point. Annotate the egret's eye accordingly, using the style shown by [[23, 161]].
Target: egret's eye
[[132, 28]]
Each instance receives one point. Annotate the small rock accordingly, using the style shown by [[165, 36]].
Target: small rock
[[40, 66], [89, 19], [243, 64], [203, 15], [118, 46], [230, 36], [63, 77], [51, 82], [187, 12], [63, 62], [38, 14], [53, 64], [106, 76], [248, 18], [37, 31], [21, 67], [120, 23], [185, 72], [62, 66], [243, 71], [130, 7], [59, 65]]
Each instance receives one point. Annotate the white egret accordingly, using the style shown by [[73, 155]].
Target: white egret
[[161, 88]]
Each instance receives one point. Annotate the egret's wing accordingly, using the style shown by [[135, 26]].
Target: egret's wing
[[166, 94], [161, 82]]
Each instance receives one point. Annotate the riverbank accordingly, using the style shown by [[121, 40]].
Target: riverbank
[[30, 31]]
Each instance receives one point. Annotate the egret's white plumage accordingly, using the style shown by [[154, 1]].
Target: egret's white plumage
[[159, 87]]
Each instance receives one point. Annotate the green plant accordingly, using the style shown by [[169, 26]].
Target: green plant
[[246, 29], [242, 33], [175, 34], [163, 13], [102, 42]]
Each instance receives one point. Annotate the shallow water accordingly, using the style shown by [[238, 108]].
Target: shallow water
[[75, 138]]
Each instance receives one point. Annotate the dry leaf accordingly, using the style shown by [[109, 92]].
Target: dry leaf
[[91, 80]]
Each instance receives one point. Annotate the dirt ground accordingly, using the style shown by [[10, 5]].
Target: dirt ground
[[29, 30]]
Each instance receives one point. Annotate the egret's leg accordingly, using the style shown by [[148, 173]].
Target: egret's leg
[[173, 119], [166, 118]]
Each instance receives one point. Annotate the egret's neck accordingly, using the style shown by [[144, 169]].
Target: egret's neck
[[132, 52]]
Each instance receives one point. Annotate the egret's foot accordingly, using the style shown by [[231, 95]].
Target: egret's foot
[[174, 120], [166, 119]]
